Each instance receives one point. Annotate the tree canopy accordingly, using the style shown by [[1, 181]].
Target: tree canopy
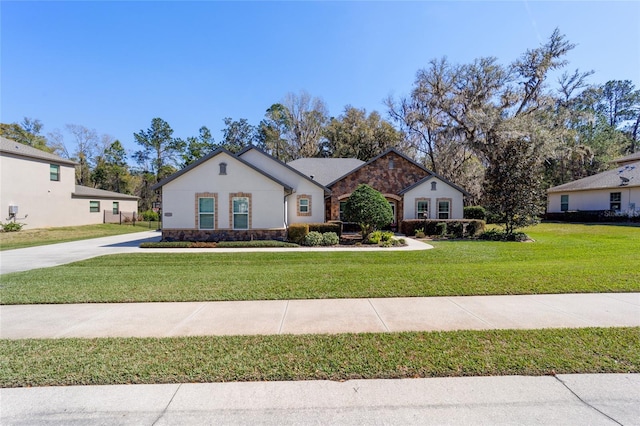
[[368, 208]]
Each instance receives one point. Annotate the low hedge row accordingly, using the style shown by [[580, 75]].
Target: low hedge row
[[298, 231], [221, 244], [458, 228]]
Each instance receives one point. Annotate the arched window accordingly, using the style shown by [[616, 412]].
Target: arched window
[[434, 185], [223, 168]]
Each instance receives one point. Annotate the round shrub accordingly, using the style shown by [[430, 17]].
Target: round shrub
[[475, 212], [330, 239], [11, 226], [313, 238]]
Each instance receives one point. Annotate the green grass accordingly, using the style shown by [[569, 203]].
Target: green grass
[[314, 357], [563, 259], [43, 236]]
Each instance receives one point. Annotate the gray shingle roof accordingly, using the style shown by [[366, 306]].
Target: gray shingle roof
[[605, 180], [631, 158], [325, 170], [85, 191], [16, 148]]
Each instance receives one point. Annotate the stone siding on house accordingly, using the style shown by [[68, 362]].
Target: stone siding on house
[[389, 174], [223, 234]]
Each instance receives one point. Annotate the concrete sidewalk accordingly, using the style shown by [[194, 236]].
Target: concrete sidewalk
[[559, 400], [59, 254], [320, 316]]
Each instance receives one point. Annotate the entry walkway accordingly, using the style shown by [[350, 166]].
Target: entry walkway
[[320, 316], [59, 254]]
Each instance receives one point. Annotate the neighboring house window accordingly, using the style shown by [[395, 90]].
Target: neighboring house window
[[444, 209], [342, 205], [116, 207], [304, 205], [434, 186], [94, 206], [54, 172], [615, 201], [422, 209], [240, 212], [564, 203], [223, 168], [206, 212]]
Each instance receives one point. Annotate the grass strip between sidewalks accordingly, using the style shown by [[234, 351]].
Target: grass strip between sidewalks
[[315, 357]]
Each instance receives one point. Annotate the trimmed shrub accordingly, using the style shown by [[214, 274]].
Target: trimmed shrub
[[254, 243], [326, 227], [297, 232], [475, 212], [499, 235], [456, 229], [441, 229], [167, 244], [474, 228], [330, 239], [312, 239], [378, 237]]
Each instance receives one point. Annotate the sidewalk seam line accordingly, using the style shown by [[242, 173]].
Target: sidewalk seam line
[[186, 319], [284, 315], [167, 406], [378, 315], [471, 313], [585, 402]]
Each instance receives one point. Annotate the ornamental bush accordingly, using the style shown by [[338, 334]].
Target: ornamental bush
[[11, 226], [297, 232], [312, 239], [475, 212], [330, 239], [368, 208]]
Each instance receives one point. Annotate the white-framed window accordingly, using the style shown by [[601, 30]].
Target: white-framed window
[[615, 201], [304, 206], [240, 212], [116, 207], [444, 209], [94, 206], [564, 203], [206, 212], [422, 209], [54, 172]]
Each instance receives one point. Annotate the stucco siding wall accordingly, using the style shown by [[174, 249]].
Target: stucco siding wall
[[179, 202], [442, 191], [294, 180], [594, 199], [26, 183]]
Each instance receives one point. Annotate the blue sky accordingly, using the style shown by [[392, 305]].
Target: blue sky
[[113, 66]]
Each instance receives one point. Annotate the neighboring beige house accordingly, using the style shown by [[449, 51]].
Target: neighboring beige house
[[616, 190], [252, 195], [38, 189]]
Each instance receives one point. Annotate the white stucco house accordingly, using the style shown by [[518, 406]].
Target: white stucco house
[[252, 195], [615, 191], [39, 189]]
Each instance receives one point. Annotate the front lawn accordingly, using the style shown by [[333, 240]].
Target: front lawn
[[43, 236], [317, 357], [563, 259]]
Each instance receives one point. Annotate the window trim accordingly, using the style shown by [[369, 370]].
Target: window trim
[[428, 210], [564, 202], [434, 185], [115, 207], [197, 221], [223, 168], [94, 206], [439, 212], [615, 199], [299, 201], [211, 213], [233, 214], [55, 167]]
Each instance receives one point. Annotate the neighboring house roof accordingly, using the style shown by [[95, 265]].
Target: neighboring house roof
[[249, 148], [85, 191], [325, 170], [606, 180], [631, 158], [210, 156], [12, 147]]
